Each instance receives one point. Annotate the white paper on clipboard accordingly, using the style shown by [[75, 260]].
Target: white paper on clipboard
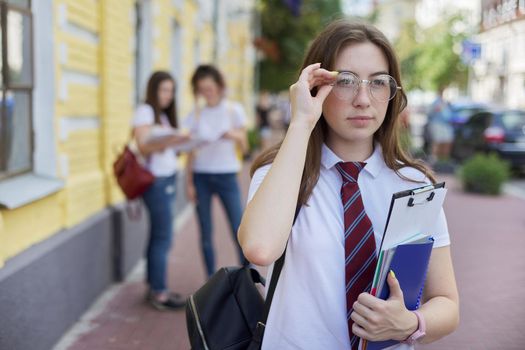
[[413, 212]]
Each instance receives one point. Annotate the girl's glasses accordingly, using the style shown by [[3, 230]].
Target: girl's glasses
[[382, 87]]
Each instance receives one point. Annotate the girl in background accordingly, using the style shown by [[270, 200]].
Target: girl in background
[[213, 167], [153, 129]]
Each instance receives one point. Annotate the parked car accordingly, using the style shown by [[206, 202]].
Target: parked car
[[494, 130], [460, 111]]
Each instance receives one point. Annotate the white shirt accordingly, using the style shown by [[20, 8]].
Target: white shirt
[[218, 155], [309, 305], [162, 163]]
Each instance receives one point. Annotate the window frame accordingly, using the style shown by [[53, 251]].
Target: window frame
[[6, 86], [46, 176]]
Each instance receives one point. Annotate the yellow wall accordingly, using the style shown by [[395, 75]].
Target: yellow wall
[[3, 241], [108, 58], [86, 151], [117, 58], [89, 153], [240, 71], [25, 226], [161, 34]]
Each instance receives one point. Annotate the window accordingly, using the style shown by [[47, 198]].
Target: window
[[143, 47], [30, 103], [513, 120], [16, 82], [176, 63], [479, 122]]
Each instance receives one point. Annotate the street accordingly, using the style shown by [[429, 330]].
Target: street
[[516, 185], [487, 233]]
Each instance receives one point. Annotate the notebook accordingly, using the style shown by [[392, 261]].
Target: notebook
[[407, 238]]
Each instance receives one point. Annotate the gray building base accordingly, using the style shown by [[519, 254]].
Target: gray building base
[[47, 288]]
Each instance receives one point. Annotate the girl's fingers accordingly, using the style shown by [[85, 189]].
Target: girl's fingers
[[321, 72], [315, 71], [308, 70], [321, 78], [362, 310], [323, 92], [320, 83], [360, 320], [359, 331]]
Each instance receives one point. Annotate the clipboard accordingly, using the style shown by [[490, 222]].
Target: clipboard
[[412, 212]]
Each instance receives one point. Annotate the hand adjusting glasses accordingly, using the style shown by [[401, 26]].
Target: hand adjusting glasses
[[382, 87]]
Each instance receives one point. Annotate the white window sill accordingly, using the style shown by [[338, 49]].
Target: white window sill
[[27, 188]]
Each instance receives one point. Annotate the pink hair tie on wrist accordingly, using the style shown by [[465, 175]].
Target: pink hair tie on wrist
[[420, 331]]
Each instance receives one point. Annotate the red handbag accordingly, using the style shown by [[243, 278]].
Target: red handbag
[[133, 178]]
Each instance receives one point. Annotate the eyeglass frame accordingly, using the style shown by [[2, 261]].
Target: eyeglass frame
[[368, 82]]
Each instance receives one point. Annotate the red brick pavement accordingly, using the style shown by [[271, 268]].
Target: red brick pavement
[[488, 237], [128, 322], [488, 242]]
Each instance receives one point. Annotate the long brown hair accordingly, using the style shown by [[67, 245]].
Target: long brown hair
[[325, 49], [152, 97]]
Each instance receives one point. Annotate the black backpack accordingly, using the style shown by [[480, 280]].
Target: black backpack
[[228, 312], [223, 313]]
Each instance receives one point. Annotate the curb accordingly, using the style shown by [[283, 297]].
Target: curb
[[514, 190]]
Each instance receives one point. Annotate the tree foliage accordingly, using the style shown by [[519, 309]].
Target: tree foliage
[[292, 35], [408, 50], [430, 58]]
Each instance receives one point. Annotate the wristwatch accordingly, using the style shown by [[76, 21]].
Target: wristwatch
[[420, 331]]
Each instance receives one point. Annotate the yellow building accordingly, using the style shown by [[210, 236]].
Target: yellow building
[[75, 70]]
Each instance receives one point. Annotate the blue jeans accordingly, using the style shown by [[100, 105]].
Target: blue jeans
[[159, 202], [227, 188]]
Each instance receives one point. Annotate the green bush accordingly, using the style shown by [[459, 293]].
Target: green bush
[[254, 141], [484, 173]]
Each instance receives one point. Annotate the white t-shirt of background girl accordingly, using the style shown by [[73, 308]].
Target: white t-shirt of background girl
[[218, 155], [162, 163]]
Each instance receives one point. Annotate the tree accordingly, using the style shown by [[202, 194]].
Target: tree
[[290, 35], [438, 62], [429, 58], [408, 50]]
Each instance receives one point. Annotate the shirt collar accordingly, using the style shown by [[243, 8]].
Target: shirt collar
[[374, 163]]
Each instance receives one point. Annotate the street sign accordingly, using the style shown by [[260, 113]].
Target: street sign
[[471, 51]]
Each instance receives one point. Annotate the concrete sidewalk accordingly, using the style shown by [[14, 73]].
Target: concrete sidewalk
[[488, 237]]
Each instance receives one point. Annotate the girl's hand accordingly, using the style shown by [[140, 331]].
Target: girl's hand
[[307, 109], [230, 135], [178, 139], [191, 193], [376, 319]]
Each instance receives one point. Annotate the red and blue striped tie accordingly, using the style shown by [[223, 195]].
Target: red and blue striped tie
[[360, 246]]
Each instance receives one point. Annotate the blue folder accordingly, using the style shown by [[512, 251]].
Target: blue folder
[[410, 264]]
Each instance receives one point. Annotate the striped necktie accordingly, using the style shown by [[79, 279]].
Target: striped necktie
[[360, 247]]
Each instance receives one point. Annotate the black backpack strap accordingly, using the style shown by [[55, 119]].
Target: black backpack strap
[[277, 267]]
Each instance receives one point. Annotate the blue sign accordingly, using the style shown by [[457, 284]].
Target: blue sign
[[471, 51]]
